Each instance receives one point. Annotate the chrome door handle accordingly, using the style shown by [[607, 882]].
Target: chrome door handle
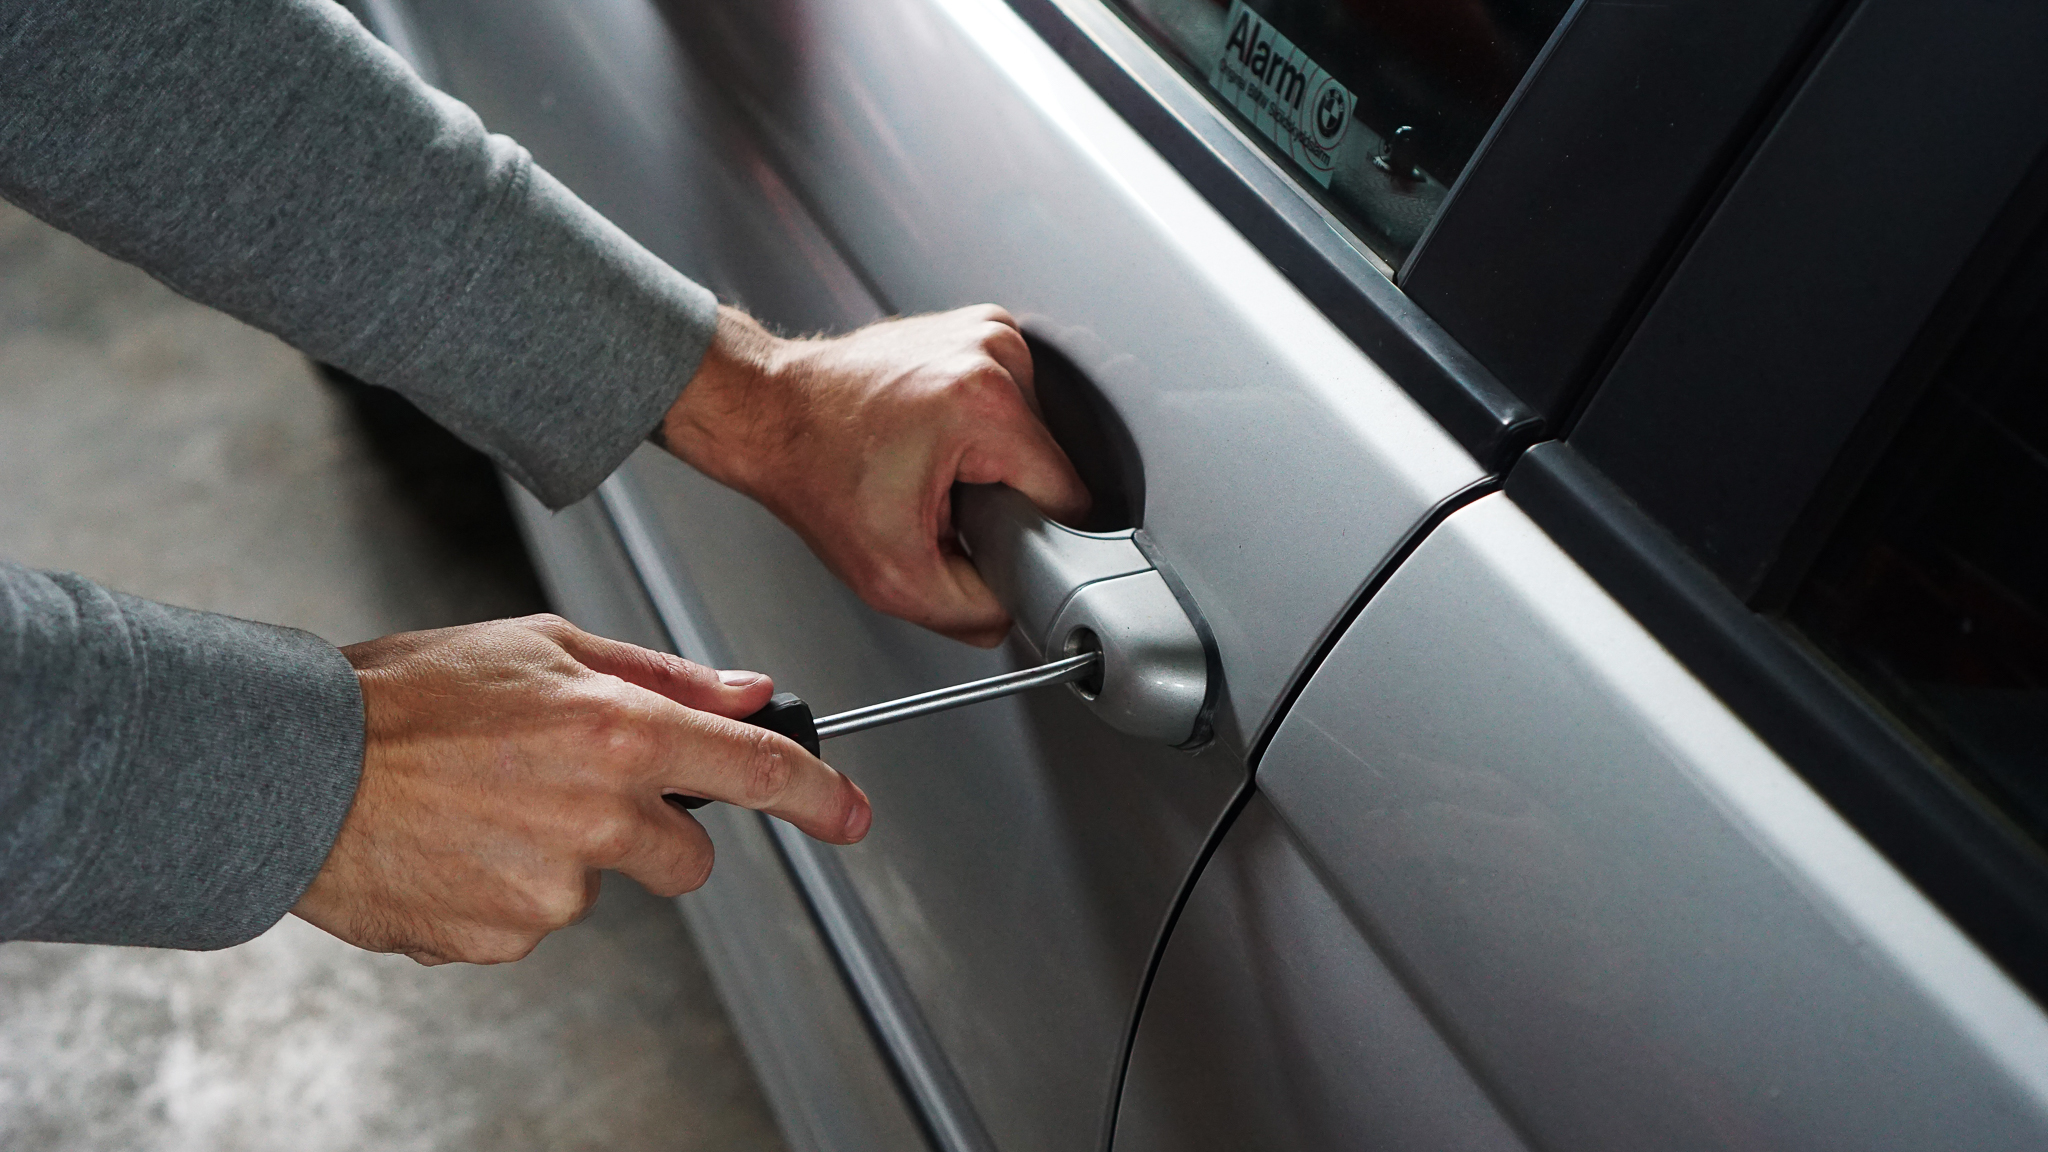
[[1072, 592]]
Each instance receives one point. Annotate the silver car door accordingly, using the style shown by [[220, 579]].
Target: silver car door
[[1275, 1023], [1502, 807]]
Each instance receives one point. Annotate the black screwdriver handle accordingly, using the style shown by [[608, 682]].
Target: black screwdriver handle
[[785, 713]]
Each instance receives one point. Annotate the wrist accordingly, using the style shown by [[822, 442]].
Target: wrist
[[727, 421]]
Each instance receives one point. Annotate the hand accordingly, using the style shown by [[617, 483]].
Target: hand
[[856, 442], [508, 763]]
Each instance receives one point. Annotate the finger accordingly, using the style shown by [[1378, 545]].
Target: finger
[[995, 312], [964, 608], [724, 759], [930, 583], [1016, 449], [728, 693], [673, 857], [1005, 344]]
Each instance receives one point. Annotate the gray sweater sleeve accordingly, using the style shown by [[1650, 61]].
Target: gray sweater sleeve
[[175, 778], [169, 777], [274, 160]]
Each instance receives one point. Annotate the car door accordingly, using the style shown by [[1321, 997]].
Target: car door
[[1228, 299], [825, 163], [1685, 794]]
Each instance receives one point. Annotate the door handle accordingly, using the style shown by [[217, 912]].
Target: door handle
[[1072, 592]]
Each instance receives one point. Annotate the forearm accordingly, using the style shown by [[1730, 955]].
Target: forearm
[[270, 158], [167, 777]]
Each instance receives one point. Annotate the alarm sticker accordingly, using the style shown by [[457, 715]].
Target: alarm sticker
[[1286, 95]]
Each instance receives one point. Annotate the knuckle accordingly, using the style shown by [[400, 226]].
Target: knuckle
[[974, 374], [610, 837], [549, 625], [617, 731], [502, 948], [586, 899], [691, 673], [878, 579], [552, 907], [891, 590], [764, 770]]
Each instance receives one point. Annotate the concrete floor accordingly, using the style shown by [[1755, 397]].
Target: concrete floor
[[167, 450]]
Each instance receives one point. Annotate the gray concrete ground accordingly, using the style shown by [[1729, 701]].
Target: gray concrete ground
[[167, 450]]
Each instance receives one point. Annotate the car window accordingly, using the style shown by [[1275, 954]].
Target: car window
[[1376, 104], [1933, 593]]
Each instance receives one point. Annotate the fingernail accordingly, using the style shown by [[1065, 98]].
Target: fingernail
[[858, 820], [736, 678]]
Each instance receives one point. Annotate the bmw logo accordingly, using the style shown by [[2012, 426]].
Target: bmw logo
[[1332, 114]]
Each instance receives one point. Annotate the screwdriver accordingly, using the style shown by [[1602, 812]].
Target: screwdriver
[[788, 714]]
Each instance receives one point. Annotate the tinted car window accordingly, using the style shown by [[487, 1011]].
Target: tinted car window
[[1934, 592], [1376, 104]]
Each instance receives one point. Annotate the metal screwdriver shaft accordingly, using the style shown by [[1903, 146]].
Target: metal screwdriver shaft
[[788, 714], [1063, 671]]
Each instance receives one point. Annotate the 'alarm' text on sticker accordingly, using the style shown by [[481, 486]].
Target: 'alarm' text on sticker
[[1288, 96]]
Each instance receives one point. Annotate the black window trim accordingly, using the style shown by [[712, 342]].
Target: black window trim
[[1563, 222], [1751, 392], [1972, 861]]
